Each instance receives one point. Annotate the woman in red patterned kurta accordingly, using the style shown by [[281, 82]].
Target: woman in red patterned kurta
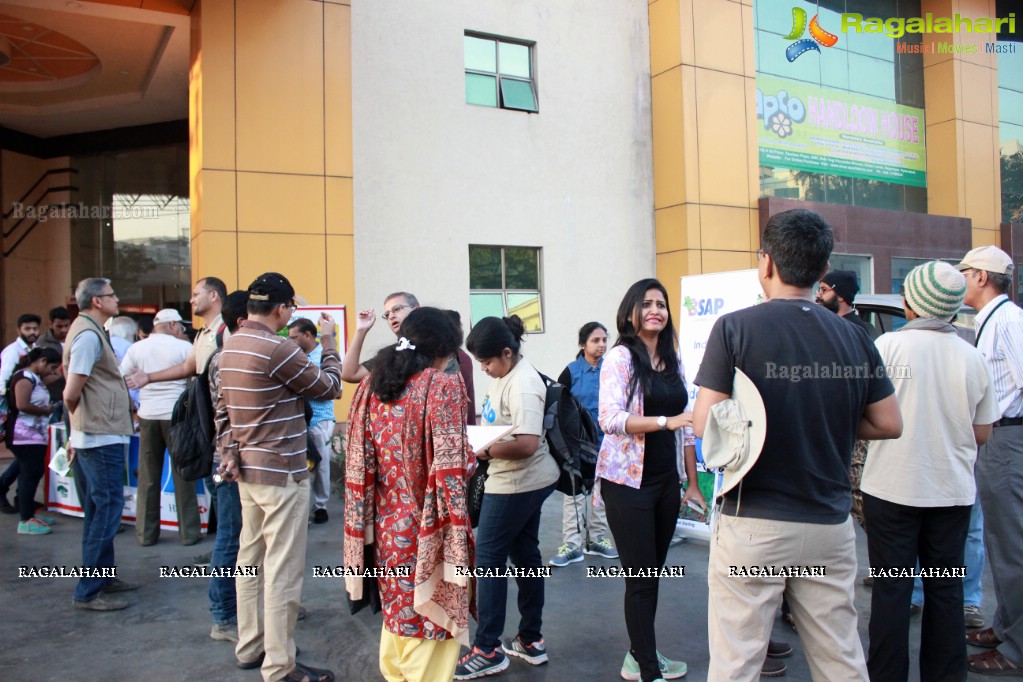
[[405, 481]]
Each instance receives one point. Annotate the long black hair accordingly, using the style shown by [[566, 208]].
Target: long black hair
[[491, 335], [628, 336], [584, 335], [432, 333]]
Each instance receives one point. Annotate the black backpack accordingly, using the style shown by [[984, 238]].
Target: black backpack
[[193, 431], [572, 438]]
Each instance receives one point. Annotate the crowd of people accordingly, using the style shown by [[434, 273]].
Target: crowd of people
[[913, 449]]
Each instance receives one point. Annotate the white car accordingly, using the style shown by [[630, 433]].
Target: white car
[[885, 312]]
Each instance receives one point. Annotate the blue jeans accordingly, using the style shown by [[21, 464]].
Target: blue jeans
[[973, 590], [223, 599], [509, 527], [103, 468]]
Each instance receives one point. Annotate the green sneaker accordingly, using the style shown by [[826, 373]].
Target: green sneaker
[[567, 554], [33, 527], [48, 520], [670, 670]]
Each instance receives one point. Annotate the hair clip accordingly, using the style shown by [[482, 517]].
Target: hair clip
[[404, 344]]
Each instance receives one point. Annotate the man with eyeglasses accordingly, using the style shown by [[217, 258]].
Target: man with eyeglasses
[[397, 307], [999, 471], [837, 292], [100, 410], [158, 351]]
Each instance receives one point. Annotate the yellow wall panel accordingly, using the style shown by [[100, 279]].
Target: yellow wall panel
[[214, 67], [215, 254], [340, 219], [218, 200], [299, 257], [671, 267], [986, 238], [724, 261], [943, 197], [669, 172], [724, 228], [337, 102], [982, 157], [280, 86], [670, 228], [718, 35], [754, 233], [721, 111], [685, 16], [752, 143], [749, 62], [979, 87], [273, 202], [939, 93], [690, 146], [665, 36], [341, 291]]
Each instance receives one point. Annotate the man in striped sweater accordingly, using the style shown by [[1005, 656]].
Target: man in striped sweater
[[264, 381]]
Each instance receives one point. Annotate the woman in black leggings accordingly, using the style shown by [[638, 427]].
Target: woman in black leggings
[[643, 398]]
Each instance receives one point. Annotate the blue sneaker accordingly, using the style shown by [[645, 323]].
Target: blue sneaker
[[478, 664], [567, 554]]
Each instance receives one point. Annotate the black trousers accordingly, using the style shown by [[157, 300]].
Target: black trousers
[[898, 536], [32, 460], [642, 522]]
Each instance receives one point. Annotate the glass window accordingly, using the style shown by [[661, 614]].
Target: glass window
[[499, 73], [861, 265], [1010, 131], [505, 280]]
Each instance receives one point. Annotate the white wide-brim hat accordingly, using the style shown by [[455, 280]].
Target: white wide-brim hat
[[735, 431]]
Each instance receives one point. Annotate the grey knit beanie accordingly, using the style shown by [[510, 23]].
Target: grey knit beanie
[[935, 289]]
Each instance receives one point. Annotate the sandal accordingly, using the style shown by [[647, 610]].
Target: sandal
[[257, 662], [993, 663], [304, 673], [985, 639]]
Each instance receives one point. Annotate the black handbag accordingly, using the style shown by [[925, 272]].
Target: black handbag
[[474, 493]]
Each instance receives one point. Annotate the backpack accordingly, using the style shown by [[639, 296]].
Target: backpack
[[12, 409], [193, 431], [572, 438]]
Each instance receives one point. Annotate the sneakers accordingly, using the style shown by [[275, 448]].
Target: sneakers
[[772, 667], [202, 560], [533, 654], [5, 506], [477, 664], [119, 586], [778, 649], [33, 527], [971, 614], [101, 603], [567, 554], [603, 548], [48, 520], [228, 632], [320, 516], [670, 670]]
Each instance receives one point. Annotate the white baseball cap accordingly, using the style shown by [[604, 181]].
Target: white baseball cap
[[735, 432], [167, 315], [990, 258]]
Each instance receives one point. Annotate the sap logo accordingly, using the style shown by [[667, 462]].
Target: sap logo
[[703, 306]]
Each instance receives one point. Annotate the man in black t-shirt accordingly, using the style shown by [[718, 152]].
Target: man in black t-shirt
[[786, 526]]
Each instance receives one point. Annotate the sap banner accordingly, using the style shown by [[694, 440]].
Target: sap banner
[[705, 298]]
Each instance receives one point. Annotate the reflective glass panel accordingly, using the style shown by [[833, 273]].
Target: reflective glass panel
[[486, 305], [481, 90], [518, 94], [527, 306], [522, 268], [480, 54], [485, 267], [514, 60]]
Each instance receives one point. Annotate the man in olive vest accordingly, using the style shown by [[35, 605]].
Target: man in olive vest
[[97, 399]]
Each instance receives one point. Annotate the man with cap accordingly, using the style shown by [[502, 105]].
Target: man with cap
[[837, 291], [822, 388], [157, 352], [918, 490], [262, 438], [999, 471]]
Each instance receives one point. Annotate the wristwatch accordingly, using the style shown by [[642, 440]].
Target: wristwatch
[[662, 422]]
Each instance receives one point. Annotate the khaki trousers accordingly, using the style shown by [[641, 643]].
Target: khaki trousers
[[410, 659], [154, 436], [741, 609], [274, 539]]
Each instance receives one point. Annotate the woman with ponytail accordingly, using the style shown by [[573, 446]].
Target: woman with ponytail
[[522, 475], [648, 436], [405, 498]]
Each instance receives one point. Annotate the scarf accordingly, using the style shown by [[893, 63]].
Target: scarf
[[436, 453], [930, 324]]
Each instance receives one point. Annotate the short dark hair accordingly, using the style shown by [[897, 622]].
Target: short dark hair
[[235, 309], [491, 335], [304, 326], [1000, 281], [799, 243], [215, 284], [59, 313], [29, 318], [145, 324]]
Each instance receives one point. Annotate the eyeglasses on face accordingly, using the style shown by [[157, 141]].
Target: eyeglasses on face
[[823, 289], [761, 253], [104, 295], [394, 311]]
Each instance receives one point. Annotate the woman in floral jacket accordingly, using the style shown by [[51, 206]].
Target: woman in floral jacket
[[643, 397]]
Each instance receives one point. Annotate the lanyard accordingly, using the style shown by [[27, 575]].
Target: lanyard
[[980, 331]]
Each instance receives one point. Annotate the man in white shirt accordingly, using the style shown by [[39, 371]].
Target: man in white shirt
[[162, 349], [999, 471], [918, 490]]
